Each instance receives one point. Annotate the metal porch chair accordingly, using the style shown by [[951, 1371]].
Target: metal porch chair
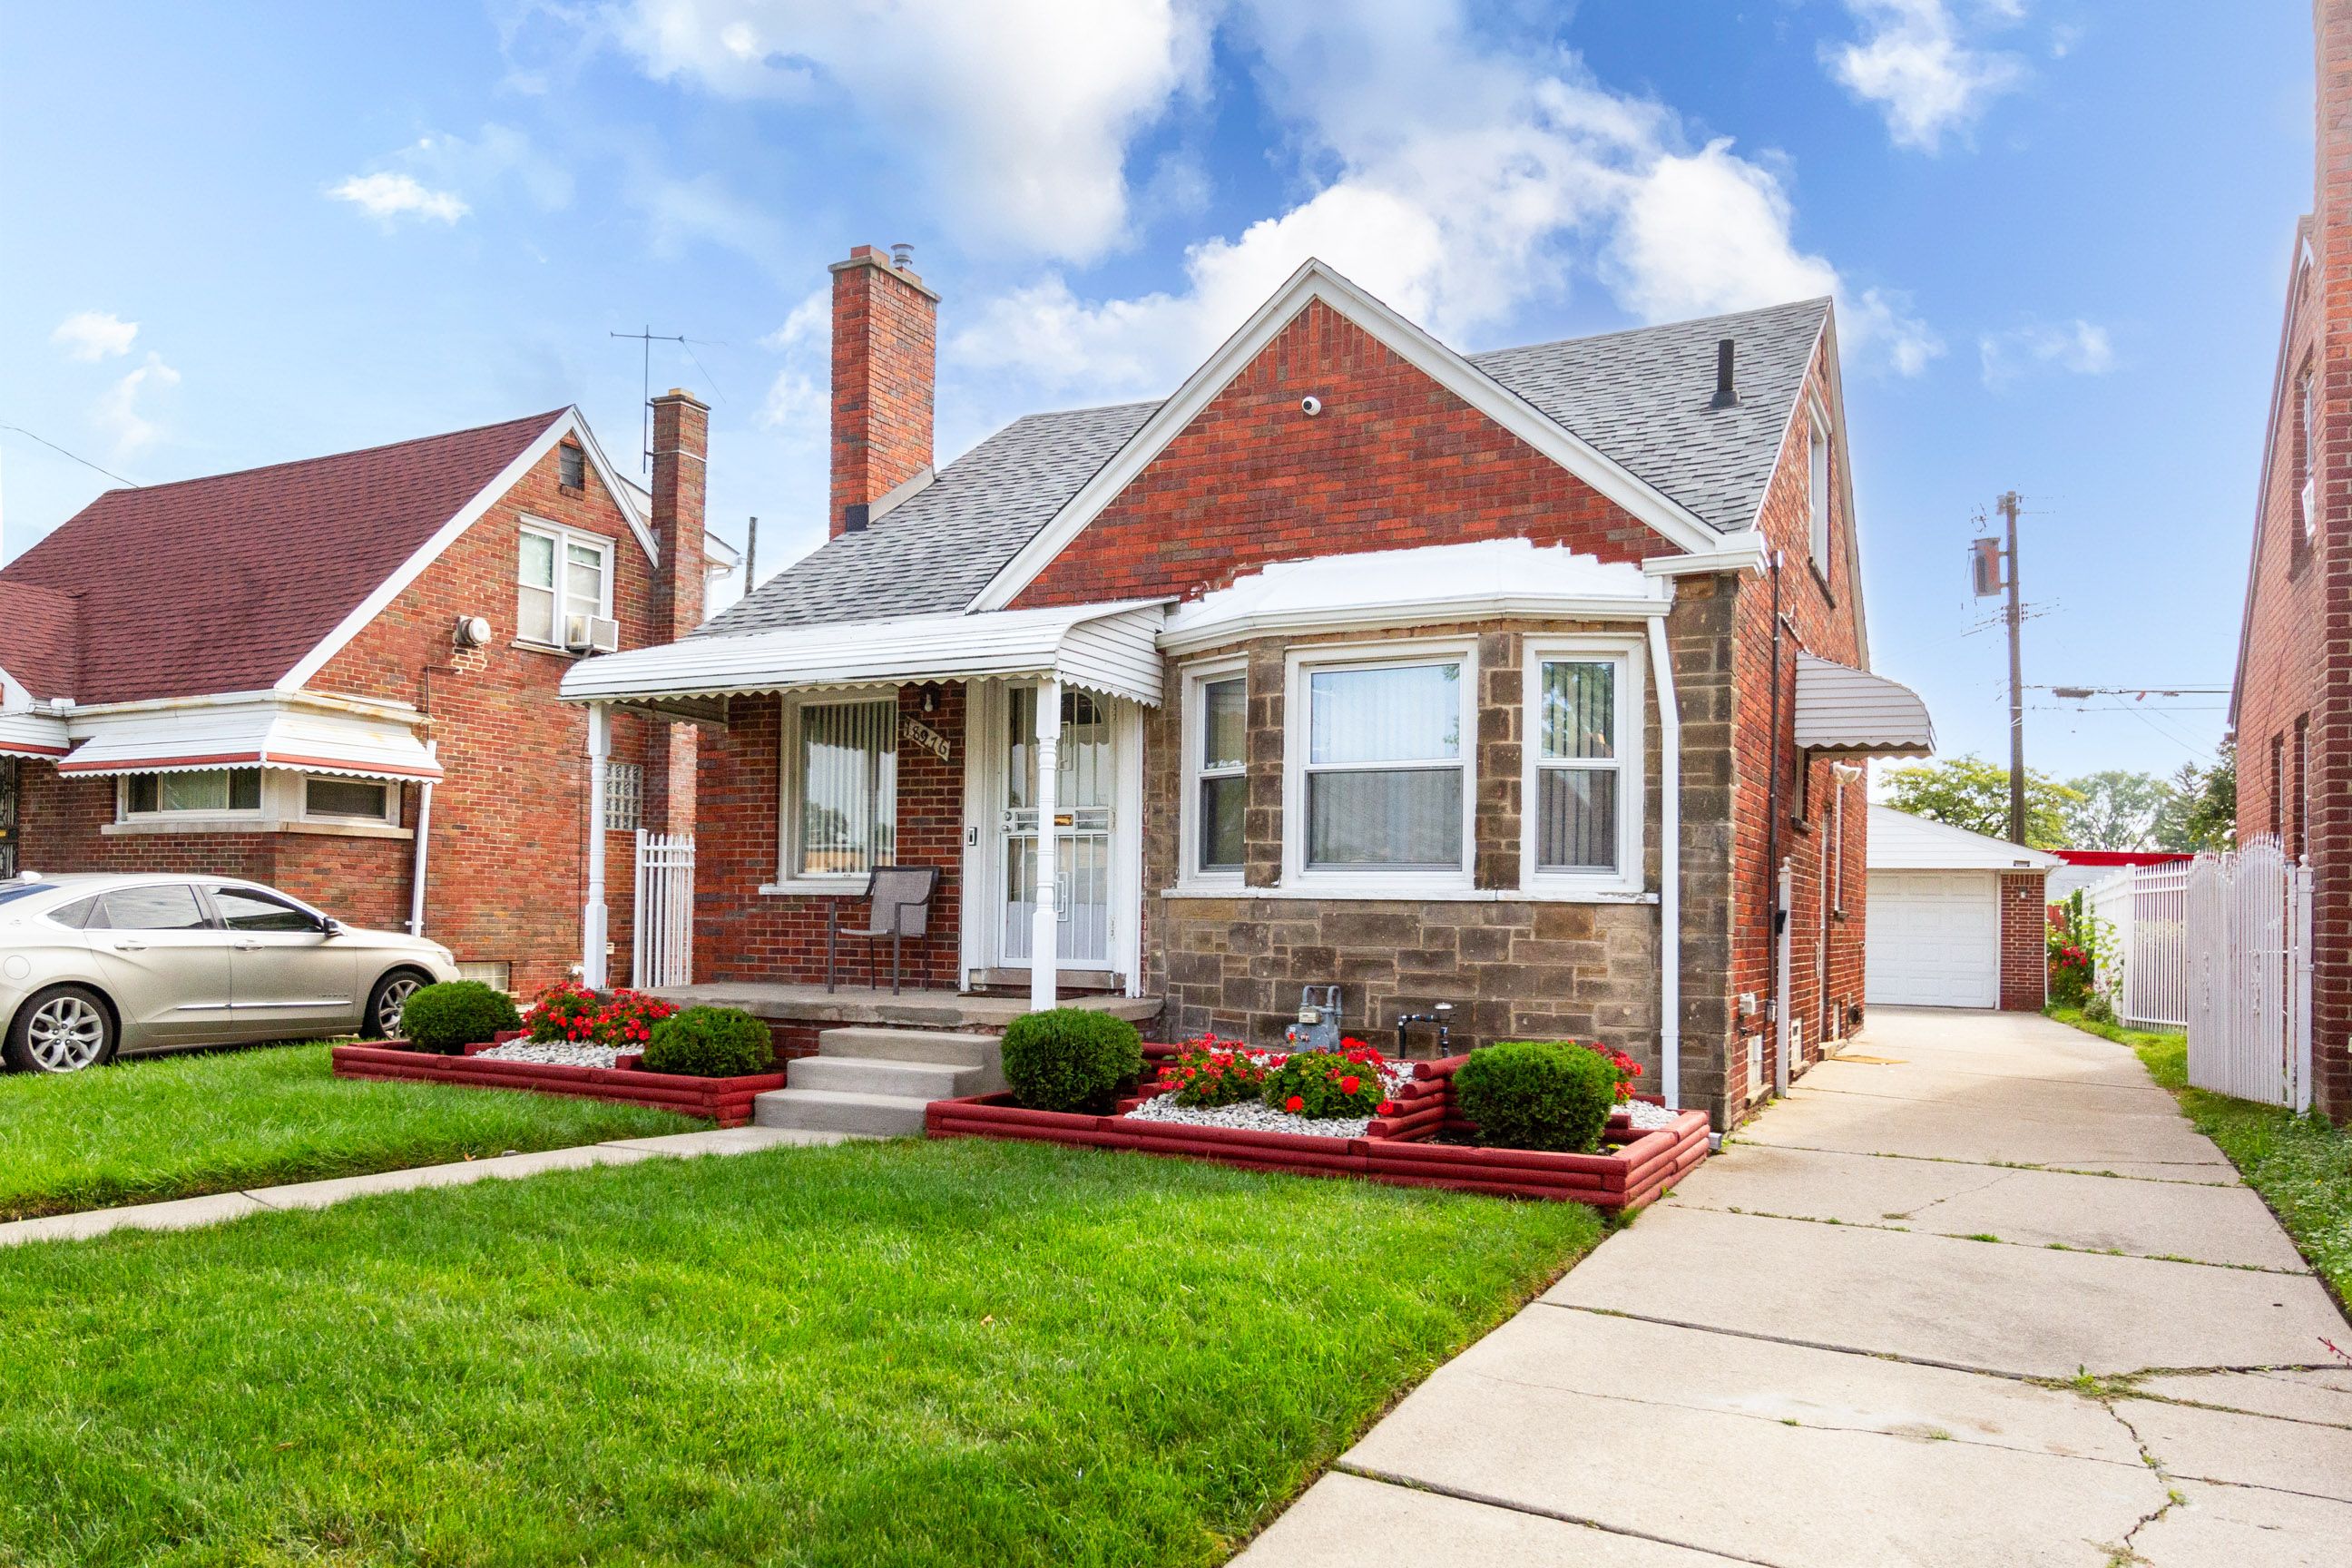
[[898, 906]]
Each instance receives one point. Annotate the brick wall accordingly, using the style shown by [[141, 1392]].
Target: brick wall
[[885, 362], [744, 935], [2024, 941], [507, 878]]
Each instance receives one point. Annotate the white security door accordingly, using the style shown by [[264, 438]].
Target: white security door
[[1084, 790], [1933, 940]]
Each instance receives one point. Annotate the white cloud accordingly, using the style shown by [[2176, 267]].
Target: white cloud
[[2077, 347], [389, 197], [94, 335], [1466, 181], [1913, 62], [1022, 110], [122, 412]]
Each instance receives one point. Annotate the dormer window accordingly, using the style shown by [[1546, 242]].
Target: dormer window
[[1817, 486], [571, 466]]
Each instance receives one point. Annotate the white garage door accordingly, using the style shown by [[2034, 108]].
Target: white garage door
[[1935, 940]]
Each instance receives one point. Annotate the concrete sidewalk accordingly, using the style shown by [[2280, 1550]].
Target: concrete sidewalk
[[186, 1213], [1867, 1335]]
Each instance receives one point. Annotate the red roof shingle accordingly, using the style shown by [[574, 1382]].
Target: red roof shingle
[[223, 584], [39, 644]]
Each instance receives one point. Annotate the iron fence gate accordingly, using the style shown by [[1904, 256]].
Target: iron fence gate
[[2249, 921], [662, 948], [2145, 969]]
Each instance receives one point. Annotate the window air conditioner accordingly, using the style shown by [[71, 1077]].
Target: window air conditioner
[[591, 634]]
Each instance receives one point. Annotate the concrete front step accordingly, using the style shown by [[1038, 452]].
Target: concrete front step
[[884, 1044], [834, 1110], [920, 1082]]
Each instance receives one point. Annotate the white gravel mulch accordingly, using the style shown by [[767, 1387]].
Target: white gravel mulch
[[552, 1053], [1648, 1118]]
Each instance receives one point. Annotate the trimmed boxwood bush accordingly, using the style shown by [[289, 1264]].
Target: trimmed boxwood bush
[[710, 1042], [456, 1014], [1071, 1059], [1536, 1094]]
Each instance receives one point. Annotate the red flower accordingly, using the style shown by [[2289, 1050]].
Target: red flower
[[1294, 1105], [1348, 1085], [1387, 1107]]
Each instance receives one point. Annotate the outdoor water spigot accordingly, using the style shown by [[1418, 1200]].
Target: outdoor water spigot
[[1441, 1014]]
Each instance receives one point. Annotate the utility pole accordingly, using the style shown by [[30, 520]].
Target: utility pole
[[2016, 683]]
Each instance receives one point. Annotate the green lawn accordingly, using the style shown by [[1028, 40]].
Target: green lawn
[[174, 1127], [907, 1352], [2302, 1165]]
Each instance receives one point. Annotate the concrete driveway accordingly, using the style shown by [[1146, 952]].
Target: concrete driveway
[[1987, 1298]]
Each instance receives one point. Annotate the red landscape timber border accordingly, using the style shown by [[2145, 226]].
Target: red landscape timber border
[[725, 1100], [1623, 1179]]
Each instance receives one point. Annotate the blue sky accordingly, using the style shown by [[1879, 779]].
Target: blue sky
[[2058, 233]]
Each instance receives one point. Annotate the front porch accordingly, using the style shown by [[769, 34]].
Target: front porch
[[859, 1006]]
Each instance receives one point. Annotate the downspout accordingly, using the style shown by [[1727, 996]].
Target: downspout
[[424, 847], [593, 918], [1670, 868], [1774, 913]]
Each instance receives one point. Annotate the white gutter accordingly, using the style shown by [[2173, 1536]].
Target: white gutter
[[424, 842], [1670, 869]]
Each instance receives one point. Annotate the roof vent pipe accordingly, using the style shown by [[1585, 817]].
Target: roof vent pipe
[[902, 256], [1726, 392]]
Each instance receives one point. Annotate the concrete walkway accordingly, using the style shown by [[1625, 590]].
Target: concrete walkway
[[1990, 1299], [186, 1213]]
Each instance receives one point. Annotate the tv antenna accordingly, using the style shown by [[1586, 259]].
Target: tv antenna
[[648, 338]]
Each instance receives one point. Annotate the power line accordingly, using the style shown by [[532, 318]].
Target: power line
[[84, 462]]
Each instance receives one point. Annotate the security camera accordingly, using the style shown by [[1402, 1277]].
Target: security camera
[[1311, 406]]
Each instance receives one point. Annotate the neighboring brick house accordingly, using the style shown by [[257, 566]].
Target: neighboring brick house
[[339, 675], [2290, 709], [1355, 661]]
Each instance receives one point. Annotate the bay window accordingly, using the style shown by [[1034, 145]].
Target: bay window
[[213, 792], [841, 787], [1583, 754], [1216, 723], [1379, 765]]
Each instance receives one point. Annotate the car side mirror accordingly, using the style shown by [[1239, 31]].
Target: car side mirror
[[331, 926]]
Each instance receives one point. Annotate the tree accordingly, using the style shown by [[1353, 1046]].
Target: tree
[[2203, 812], [1968, 792], [2118, 810]]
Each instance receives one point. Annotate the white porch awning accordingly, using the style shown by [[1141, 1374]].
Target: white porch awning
[[1105, 649], [1844, 711], [32, 735], [189, 739]]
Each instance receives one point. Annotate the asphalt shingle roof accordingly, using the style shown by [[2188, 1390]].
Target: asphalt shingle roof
[[223, 584], [1641, 397]]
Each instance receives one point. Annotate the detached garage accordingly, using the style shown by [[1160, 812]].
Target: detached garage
[[1956, 919]]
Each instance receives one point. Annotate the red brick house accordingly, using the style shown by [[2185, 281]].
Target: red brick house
[[339, 676], [2290, 709], [1507, 681]]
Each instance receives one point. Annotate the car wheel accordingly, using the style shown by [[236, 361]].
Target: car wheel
[[62, 1030], [387, 1002]]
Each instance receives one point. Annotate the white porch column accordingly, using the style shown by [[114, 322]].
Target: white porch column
[[592, 919], [1045, 922]]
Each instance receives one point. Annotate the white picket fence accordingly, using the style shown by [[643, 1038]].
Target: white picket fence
[[662, 951], [2145, 969], [2248, 932]]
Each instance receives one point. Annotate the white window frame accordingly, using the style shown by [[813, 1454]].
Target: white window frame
[[123, 812], [789, 789], [561, 536], [2307, 415], [1192, 730], [1629, 654], [1818, 485], [390, 819], [1373, 882]]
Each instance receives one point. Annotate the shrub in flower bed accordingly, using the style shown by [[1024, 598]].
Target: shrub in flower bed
[[1071, 1059], [1328, 1084], [1537, 1094], [1209, 1072], [456, 1013], [570, 1011], [710, 1042]]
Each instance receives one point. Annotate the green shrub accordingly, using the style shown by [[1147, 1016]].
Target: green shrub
[[1328, 1083], [456, 1014], [1536, 1094], [2099, 1007], [710, 1042], [1071, 1059]]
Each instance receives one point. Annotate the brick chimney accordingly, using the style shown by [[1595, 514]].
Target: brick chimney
[[885, 360], [681, 444]]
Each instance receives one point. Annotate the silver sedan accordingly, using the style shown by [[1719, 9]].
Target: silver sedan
[[94, 966]]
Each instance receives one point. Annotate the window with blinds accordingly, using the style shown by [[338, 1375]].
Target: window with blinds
[[1222, 785], [1384, 770], [1577, 769], [846, 787]]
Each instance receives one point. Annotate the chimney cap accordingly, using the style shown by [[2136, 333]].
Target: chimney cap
[[902, 256]]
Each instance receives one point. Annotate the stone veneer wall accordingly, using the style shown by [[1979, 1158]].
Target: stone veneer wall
[[1514, 968]]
